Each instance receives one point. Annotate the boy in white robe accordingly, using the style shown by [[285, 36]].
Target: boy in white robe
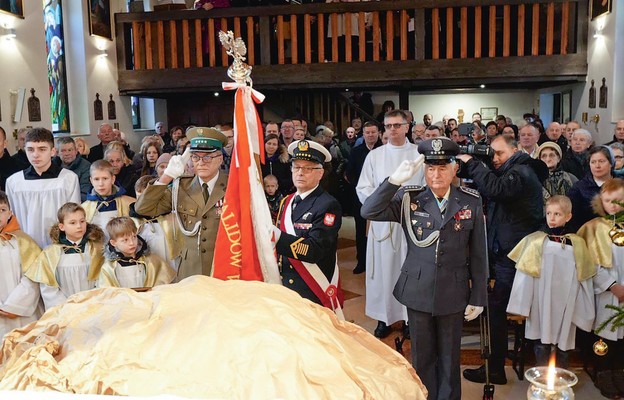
[[72, 263], [159, 232], [605, 241], [37, 192], [105, 201], [553, 286], [19, 296], [129, 262]]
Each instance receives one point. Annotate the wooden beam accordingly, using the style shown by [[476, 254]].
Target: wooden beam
[[403, 34], [550, 28], [565, 21], [362, 37], [186, 51], [137, 44], [293, 39], [307, 38], [280, 40], [212, 47], [492, 32], [160, 42], [251, 44], [376, 36], [535, 31], [506, 30], [389, 36], [320, 20], [464, 32], [457, 72], [199, 48], [334, 36]]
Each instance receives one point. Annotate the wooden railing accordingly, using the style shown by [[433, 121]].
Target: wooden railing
[[353, 32]]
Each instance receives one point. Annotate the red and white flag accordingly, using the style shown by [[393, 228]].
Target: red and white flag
[[243, 249]]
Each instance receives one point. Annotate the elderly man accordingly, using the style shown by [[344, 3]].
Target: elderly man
[[513, 191], [554, 133], [432, 131], [307, 230], [576, 160], [69, 158], [386, 244], [528, 136], [125, 175], [570, 128], [106, 135], [445, 232], [618, 133], [418, 133], [196, 200]]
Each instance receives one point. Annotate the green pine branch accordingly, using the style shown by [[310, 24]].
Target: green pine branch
[[616, 320]]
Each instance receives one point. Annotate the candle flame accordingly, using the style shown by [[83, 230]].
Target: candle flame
[[551, 374]]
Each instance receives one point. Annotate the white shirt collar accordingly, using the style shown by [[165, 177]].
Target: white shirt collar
[[306, 194], [211, 183]]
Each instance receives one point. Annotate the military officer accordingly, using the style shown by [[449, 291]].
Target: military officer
[[445, 232], [195, 200], [307, 230]]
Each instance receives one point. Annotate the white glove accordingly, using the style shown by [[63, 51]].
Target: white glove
[[472, 312], [406, 170], [177, 164]]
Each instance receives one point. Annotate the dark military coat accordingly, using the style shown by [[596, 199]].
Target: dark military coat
[[435, 277], [316, 221]]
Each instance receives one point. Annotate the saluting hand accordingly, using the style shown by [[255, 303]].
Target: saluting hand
[[407, 169], [177, 164]]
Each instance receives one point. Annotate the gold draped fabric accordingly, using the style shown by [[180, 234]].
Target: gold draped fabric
[[28, 248], [203, 338], [596, 235], [528, 256], [175, 240]]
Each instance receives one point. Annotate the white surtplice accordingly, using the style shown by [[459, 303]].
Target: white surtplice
[[556, 303], [386, 246], [36, 202], [18, 294]]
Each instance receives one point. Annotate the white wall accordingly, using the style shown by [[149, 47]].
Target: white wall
[[24, 65], [510, 103], [602, 54]]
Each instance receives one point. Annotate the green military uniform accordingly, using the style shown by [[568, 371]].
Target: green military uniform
[[197, 220]]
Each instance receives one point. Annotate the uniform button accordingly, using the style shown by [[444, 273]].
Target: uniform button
[[203, 250], [203, 239], [205, 216], [291, 267], [291, 281], [203, 228], [441, 240]]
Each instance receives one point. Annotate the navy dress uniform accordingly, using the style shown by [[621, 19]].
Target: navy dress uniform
[[309, 223], [198, 212], [446, 250]]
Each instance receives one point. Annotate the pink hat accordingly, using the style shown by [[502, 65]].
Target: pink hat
[[164, 158]]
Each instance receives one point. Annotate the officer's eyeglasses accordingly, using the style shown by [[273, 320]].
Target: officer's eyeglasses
[[206, 159], [305, 170], [395, 126]]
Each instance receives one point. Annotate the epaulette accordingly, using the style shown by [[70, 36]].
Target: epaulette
[[470, 191], [413, 188]]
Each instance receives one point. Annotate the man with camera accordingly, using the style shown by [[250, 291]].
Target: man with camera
[[513, 192]]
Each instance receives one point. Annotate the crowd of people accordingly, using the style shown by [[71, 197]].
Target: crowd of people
[[78, 218]]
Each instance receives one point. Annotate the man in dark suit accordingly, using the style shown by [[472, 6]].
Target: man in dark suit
[[446, 239], [307, 232]]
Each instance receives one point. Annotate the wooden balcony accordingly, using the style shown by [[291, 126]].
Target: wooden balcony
[[406, 44]]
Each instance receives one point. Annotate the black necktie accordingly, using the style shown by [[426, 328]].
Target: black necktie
[[296, 201], [205, 192]]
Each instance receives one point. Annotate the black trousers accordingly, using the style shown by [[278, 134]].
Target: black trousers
[[504, 272], [436, 352], [360, 233]]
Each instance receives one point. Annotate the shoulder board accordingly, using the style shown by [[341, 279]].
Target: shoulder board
[[470, 191], [413, 188]]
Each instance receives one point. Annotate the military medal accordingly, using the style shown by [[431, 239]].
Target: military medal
[[457, 226], [419, 231], [414, 206]]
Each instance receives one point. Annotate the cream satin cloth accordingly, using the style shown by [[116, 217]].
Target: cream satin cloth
[[203, 338]]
